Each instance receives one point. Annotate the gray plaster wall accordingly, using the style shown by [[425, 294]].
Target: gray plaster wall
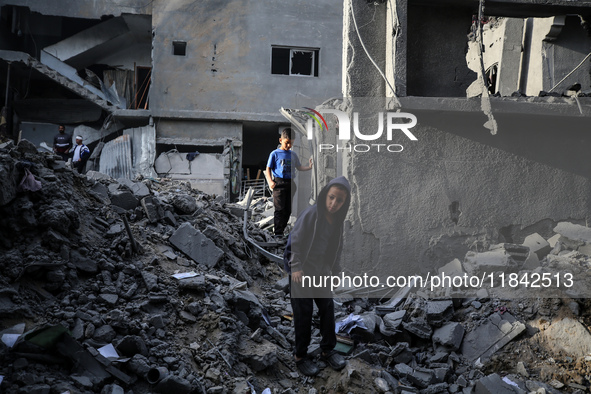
[[532, 174], [437, 45], [227, 67], [92, 9], [189, 132]]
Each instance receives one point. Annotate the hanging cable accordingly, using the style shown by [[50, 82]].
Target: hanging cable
[[366, 52], [570, 73]]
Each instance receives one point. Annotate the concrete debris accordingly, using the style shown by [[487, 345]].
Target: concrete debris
[[502, 257], [486, 339], [217, 317], [197, 246]]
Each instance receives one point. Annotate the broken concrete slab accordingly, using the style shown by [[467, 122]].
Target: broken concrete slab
[[138, 189], [449, 336], [184, 204], [503, 257], [197, 246], [391, 322], [494, 384], [438, 312], [537, 244], [419, 328], [573, 232], [484, 340], [152, 209], [124, 199]]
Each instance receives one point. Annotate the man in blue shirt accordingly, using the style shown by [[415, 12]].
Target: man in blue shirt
[[280, 174]]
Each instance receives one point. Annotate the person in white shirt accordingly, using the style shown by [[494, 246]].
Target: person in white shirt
[[81, 154]]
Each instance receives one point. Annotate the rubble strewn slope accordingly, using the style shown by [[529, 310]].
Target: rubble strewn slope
[[87, 262]]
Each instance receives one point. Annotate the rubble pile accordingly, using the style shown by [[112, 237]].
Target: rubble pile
[[120, 286]]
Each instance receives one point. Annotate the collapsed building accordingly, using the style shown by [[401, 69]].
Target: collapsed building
[[499, 157], [167, 79], [500, 149], [121, 287]]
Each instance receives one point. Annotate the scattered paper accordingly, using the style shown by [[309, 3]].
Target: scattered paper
[[184, 275], [10, 339], [108, 351], [508, 381], [350, 323]]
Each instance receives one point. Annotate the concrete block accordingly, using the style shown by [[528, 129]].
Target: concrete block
[[449, 336], [403, 370], [110, 299], [532, 262], [169, 218], [574, 232], [152, 209], [391, 322], [493, 384], [438, 312], [452, 269], [504, 257], [104, 334], [553, 240], [101, 192], [421, 377], [132, 345], [537, 244], [124, 199], [138, 189], [197, 246], [391, 380], [483, 341], [150, 280], [245, 300], [419, 328], [184, 204]]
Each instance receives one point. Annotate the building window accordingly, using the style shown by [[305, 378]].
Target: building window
[[294, 61], [179, 48]]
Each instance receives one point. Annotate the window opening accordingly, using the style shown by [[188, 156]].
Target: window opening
[[179, 48], [294, 61]]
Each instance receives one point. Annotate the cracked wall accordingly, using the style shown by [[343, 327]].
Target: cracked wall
[[516, 178]]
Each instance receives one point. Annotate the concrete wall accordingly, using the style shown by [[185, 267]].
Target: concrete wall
[[227, 67], [532, 174], [437, 43], [189, 132], [92, 9]]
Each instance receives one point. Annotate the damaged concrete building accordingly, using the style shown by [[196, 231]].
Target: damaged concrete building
[[482, 170], [157, 80]]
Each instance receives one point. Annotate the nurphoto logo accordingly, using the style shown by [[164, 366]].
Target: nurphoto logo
[[390, 125]]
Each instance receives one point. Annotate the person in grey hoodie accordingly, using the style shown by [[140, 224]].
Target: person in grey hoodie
[[313, 250]]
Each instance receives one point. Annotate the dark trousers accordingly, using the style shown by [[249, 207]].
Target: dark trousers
[[303, 309], [282, 197]]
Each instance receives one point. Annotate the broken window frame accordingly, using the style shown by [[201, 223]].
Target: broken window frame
[[278, 69]]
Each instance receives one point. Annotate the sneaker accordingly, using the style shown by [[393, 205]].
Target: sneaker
[[307, 367], [334, 359]]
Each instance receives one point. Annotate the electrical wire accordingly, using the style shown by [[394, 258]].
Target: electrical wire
[[570, 73], [366, 51]]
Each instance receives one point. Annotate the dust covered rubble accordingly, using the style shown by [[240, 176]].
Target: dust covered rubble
[[74, 282]]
